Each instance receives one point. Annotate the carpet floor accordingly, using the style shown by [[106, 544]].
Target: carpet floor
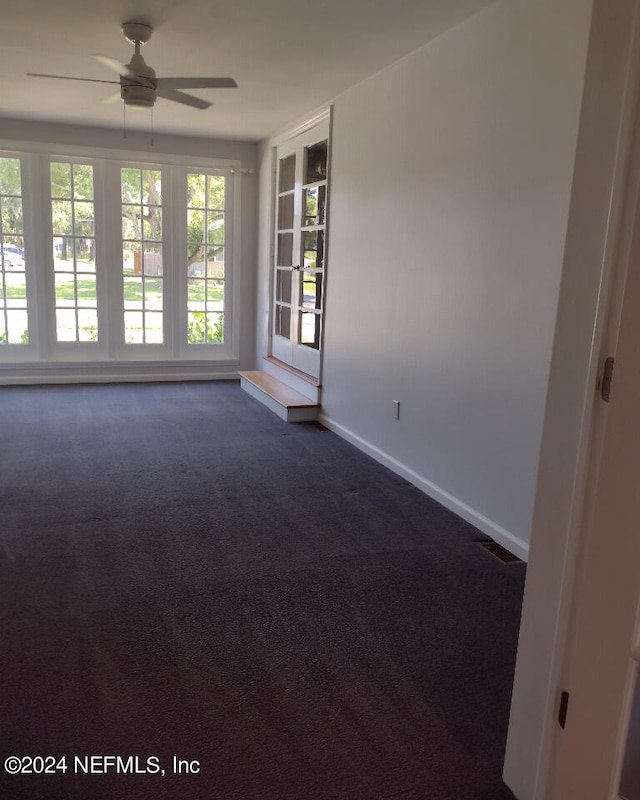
[[215, 604]]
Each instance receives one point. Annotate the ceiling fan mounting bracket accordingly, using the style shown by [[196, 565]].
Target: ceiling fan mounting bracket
[[137, 32]]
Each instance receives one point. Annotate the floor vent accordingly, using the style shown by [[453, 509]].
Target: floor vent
[[499, 552]]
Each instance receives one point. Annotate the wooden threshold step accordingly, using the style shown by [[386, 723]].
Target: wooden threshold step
[[284, 401]]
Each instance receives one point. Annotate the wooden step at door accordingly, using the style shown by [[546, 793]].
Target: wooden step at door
[[284, 401]]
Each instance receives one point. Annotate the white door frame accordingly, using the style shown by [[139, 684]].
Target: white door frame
[[588, 312]]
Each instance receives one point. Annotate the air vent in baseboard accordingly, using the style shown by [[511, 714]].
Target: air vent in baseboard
[[499, 552]]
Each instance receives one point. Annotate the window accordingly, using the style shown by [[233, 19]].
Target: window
[[74, 247], [129, 260], [142, 255], [205, 258], [14, 318]]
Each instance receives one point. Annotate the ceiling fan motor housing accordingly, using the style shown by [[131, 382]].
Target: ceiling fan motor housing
[[133, 94], [142, 93]]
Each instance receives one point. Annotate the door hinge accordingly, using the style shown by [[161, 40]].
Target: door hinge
[[607, 377], [564, 705]]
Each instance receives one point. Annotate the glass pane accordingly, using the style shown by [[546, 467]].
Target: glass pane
[[195, 191], [60, 180], [15, 286], [83, 223], [216, 191], [86, 288], [83, 181], [151, 187], [313, 249], [284, 256], [310, 329], [287, 173], [65, 290], [283, 321], [153, 294], [87, 325], [62, 253], [196, 327], [133, 332], [214, 328], [195, 263], [152, 260], [312, 290], [131, 222], [152, 224], [215, 262], [215, 295], [314, 205], [285, 212], [153, 327], [10, 181], [630, 780], [17, 327], [130, 182], [61, 217], [316, 162], [195, 226], [196, 295], [66, 325], [12, 256], [85, 255], [12, 221], [215, 227], [133, 293], [283, 286]]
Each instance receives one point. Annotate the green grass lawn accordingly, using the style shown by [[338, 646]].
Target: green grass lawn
[[134, 289]]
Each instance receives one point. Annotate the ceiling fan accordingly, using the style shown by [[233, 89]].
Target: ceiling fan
[[139, 86]]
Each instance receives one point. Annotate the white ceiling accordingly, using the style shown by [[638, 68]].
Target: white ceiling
[[288, 56]]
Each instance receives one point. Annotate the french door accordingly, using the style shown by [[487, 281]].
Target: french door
[[299, 249]]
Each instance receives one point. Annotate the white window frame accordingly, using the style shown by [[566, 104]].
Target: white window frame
[[110, 349]]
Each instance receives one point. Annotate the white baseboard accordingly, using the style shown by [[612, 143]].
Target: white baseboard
[[512, 543], [113, 373]]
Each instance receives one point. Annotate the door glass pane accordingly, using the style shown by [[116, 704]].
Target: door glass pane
[[285, 212], [311, 290], [630, 780], [284, 256], [314, 205], [316, 163], [287, 173], [310, 329], [283, 321], [283, 286], [313, 249]]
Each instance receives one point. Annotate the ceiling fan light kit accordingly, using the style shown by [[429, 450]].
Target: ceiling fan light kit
[[139, 86]]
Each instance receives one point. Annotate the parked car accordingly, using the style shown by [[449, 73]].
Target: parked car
[[12, 256]]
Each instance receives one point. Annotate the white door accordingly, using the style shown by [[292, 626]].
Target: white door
[[299, 249], [599, 751]]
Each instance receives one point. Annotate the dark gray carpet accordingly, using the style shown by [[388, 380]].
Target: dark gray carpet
[[183, 574]]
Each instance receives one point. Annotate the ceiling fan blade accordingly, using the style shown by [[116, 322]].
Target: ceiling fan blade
[[113, 97], [115, 65], [197, 83], [68, 78], [182, 97], [123, 69]]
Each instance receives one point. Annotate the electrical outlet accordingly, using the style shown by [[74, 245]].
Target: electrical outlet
[[396, 409]]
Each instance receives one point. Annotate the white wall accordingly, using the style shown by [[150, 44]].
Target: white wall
[[450, 184]]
